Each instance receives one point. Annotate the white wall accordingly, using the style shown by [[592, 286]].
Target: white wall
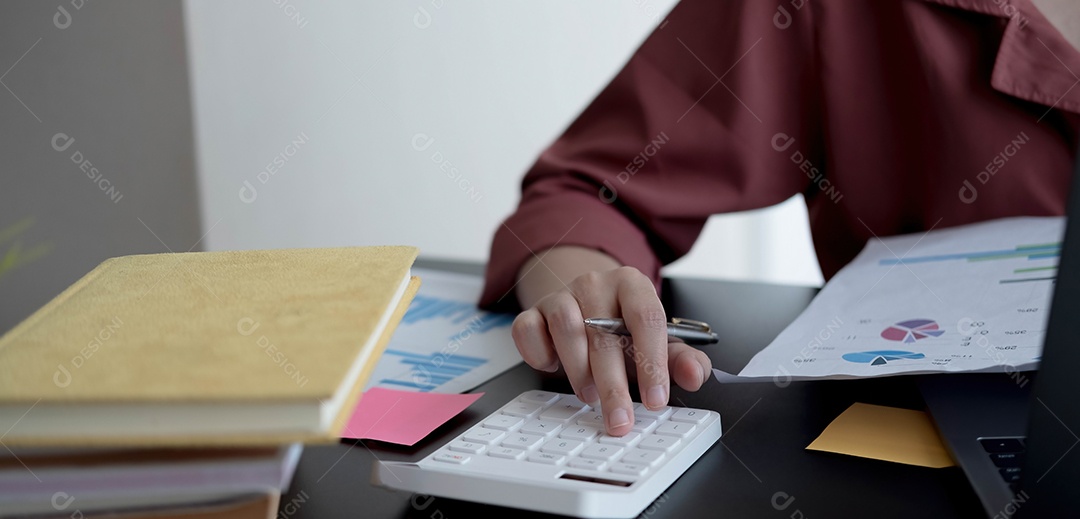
[[343, 94]]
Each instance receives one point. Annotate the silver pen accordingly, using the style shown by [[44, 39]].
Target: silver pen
[[690, 331]]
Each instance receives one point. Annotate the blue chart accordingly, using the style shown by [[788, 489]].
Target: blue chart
[[457, 312], [430, 371], [1033, 252], [445, 344], [881, 357]]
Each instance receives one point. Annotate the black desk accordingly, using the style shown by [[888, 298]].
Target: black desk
[[758, 466]]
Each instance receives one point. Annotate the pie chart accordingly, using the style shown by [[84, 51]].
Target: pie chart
[[912, 330], [881, 357]]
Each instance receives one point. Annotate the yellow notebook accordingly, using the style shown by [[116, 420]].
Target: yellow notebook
[[204, 348]]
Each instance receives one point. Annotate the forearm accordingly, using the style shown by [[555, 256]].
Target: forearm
[[561, 265]]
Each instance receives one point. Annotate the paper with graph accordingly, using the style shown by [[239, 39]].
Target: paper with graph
[[969, 298], [445, 343]]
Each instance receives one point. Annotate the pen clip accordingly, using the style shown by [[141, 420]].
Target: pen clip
[[692, 324]]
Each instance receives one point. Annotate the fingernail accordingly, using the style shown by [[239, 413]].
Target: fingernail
[[552, 368], [704, 375], [656, 397], [618, 418], [590, 396]]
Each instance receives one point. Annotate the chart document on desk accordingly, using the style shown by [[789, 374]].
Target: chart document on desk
[[968, 298], [445, 343]]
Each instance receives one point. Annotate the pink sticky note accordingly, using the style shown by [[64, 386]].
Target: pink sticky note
[[403, 417]]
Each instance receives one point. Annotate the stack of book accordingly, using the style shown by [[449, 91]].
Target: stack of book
[[185, 385]]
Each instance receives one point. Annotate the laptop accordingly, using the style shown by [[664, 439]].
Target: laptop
[[1014, 434]]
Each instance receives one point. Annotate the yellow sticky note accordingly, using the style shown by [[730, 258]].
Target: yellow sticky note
[[885, 433]]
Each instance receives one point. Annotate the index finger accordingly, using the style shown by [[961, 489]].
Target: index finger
[[645, 318]]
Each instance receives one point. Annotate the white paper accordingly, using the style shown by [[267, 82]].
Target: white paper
[[963, 299], [446, 344]]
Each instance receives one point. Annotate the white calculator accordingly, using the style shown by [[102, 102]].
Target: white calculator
[[548, 452]]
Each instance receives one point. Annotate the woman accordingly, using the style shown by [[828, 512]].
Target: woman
[[889, 117]]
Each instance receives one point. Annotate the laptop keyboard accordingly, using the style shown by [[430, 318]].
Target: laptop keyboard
[[1007, 455]]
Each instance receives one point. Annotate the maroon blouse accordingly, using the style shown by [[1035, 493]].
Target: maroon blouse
[[889, 117]]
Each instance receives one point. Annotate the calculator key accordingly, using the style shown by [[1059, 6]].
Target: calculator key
[[680, 429], [592, 418], [1011, 474], [503, 422], [599, 451], [1007, 459], [522, 409], [624, 440], [509, 453], [546, 457], [587, 464], [634, 469], [539, 397], [659, 414], [1002, 445], [451, 457], [484, 435], [464, 446], [564, 409], [542, 427], [561, 446], [694, 416], [643, 456], [643, 423], [659, 442], [579, 432], [522, 441]]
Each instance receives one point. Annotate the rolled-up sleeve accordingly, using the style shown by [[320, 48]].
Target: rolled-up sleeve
[[701, 120]]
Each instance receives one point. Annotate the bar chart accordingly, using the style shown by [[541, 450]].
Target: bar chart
[[444, 343]]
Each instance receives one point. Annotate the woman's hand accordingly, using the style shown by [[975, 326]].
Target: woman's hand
[[551, 333]]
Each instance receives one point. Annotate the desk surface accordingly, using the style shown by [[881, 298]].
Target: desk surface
[[759, 465]]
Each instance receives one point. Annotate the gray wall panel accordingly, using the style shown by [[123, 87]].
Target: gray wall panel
[[113, 77]]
